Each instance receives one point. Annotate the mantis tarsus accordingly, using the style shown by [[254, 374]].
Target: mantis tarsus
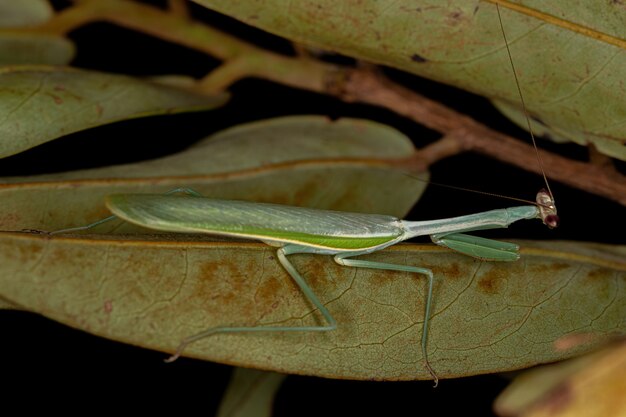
[[297, 230]]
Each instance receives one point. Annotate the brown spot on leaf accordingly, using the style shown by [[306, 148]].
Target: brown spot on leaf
[[598, 273], [108, 306], [208, 268], [28, 252], [59, 255], [223, 269], [210, 275], [449, 272], [268, 290], [559, 266], [491, 282], [57, 99], [600, 280], [316, 271]]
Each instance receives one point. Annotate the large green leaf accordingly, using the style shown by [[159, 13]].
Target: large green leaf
[[572, 77], [486, 317], [303, 160], [38, 103]]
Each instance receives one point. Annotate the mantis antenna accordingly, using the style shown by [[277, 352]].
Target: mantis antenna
[[546, 203]]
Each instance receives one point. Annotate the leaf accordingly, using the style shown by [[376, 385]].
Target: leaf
[[24, 12], [592, 385], [25, 48], [569, 58], [250, 393], [38, 104], [311, 161], [487, 317]]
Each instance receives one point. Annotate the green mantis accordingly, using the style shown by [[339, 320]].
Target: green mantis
[[297, 230]]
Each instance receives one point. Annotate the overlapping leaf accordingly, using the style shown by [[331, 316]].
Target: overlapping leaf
[[301, 160], [487, 317], [38, 104], [568, 56]]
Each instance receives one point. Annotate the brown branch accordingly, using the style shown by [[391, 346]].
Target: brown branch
[[367, 86]]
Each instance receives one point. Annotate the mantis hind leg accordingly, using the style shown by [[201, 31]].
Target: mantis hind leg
[[342, 259], [282, 254], [187, 191]]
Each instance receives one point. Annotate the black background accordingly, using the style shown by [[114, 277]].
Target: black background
[[48, 366]]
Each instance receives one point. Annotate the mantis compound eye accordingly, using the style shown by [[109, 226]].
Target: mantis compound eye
[[552, 221], [547, 209]]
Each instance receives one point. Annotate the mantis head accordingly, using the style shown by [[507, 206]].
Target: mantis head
[[547, 208]]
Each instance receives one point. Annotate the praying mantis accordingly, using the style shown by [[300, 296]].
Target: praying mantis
[[297, 230]]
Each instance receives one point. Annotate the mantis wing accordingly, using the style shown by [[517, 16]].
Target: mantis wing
[[267, 222]]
